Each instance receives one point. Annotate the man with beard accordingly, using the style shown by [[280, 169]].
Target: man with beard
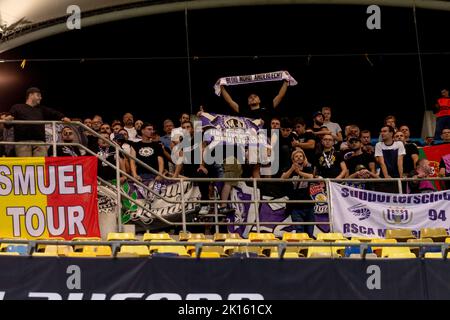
[[330, 163], [389, 155], [128, 122], [68, 136], [32, 110], [304, 139], [319, 129], [357, 157], [256, 109]]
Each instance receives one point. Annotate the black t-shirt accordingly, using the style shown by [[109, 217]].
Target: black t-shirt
[[104, 171], [285, 153], [65, 151], [310, 153], [408, 163], [264, 112], [147, 152], [353, 161], [299, 189], [328, 164], [191, 159], [23, 132]]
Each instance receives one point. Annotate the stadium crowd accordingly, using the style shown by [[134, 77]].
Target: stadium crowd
[[308, 148]]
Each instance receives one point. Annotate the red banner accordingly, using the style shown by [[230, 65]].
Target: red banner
[[48, 197]]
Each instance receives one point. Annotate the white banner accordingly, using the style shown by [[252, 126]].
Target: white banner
[[254, 78], [363, 213]]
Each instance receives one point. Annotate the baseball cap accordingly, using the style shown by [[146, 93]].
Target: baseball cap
[[360, 167], [315, 114], [33, 90]]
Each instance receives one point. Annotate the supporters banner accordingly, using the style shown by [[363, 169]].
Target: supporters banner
[[231, 130], [434, 155], [48, 197], [363, 213], [163, 202]]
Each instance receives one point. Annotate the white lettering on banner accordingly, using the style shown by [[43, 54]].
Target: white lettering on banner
[[16, 212], [81, 188], [52, 180], [140, 295], [359, 212], [24, 183], [29, 225], [64, 179], [5, 183], [75, 216]]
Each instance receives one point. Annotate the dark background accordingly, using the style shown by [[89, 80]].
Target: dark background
[[141, 65]]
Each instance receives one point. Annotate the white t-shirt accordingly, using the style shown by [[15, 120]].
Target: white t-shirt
[[132, 133], [390, 153], [334, 127]]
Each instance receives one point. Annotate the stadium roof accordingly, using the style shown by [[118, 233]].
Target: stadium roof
[[24, 21]]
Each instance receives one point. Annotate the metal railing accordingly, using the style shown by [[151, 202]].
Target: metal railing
[[281, 246], [254, 181]]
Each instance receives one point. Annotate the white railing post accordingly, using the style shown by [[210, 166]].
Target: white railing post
[[183, 209], [119, 202], [54, 137], [256, 200]]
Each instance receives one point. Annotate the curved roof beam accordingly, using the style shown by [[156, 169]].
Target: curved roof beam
[[41, 30]]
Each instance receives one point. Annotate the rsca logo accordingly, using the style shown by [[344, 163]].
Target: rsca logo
[[360, 211], [397, 215]]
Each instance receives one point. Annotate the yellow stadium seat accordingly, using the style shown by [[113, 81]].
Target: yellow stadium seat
[[255, 237], [224, 236], [322, 252], [99, 251], [401, 235], [41, 247], [122, 236], [400, 255], [44, 254], [287, 255], [184, 236], [229, 250], [435, 255], [156, 236], [81, 255], [437, 234], [79, 248], [289, 236], [387, 251], [216, 249], [376, 249], [362, 239], [416, 250], [191, 248], [60, 250], [206, 255], [154, 248], [330, 236], [368, 256], [180, 250], [133, 251], [86, 239]]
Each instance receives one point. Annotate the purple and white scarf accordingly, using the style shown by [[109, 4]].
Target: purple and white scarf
[[254, 78]]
